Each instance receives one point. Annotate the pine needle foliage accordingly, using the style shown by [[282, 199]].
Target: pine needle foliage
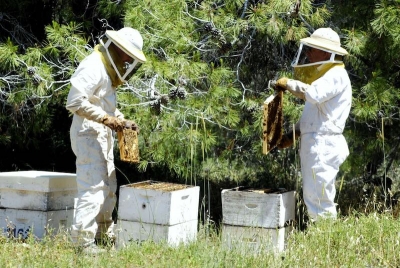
[[200, 93], [372, 40], [198, 98], [34, 81]]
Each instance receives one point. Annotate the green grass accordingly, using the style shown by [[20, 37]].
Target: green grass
[[354, 241]]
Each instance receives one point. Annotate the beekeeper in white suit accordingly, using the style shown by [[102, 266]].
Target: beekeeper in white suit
[[92, 100], [323, 83]]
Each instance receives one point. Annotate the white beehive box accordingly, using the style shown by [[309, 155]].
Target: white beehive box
[[257, 208], [255, 239], [158, 202], [135, 232], [20, 222], [37, 190]]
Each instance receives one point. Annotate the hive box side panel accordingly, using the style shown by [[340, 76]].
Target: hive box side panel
[[254, 239], [253, 209], [158, 207], [33, 200], [19, 222], [250, 209], [37, 190], [23, 199], [134, 232], [288, 208], [184, 205], [141, 205]]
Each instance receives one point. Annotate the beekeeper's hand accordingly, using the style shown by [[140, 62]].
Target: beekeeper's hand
[[297, 88], [113, 122], [287, 140], [279, 84], [129, 124]]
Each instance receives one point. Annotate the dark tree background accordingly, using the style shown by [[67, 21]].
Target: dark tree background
[[198, 98]]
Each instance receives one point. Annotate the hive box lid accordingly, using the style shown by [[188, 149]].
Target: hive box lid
[[35, 180]]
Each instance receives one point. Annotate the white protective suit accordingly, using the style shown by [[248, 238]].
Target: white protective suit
[[323, 148], [91, 97]]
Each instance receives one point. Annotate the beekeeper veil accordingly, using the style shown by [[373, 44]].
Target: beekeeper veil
[[324, 39], [130, 41]]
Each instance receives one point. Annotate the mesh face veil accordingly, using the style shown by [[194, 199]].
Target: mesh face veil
[[307, 67], [302, 56], [130, 42], [131, 69]]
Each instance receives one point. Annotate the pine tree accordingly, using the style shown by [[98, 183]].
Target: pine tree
[[198, 97], [33, 87], [41, 44], [370, 30], [220, 55]]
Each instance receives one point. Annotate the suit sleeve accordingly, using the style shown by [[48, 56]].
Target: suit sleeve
[[81, 99]]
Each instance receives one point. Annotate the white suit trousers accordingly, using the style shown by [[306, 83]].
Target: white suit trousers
[[321, 156], [96, 182]]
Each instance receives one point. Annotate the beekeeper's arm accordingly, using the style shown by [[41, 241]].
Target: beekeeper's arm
[[81, 98], [296, 87]]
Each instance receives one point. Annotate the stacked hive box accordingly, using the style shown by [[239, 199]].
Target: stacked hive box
[[257, 220], [36, 202], [157, 211]]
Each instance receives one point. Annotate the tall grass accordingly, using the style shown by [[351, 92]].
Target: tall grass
[[354, 241]]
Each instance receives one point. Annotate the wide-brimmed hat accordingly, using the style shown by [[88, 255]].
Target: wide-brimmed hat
[[129, 40], [325, 39]]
